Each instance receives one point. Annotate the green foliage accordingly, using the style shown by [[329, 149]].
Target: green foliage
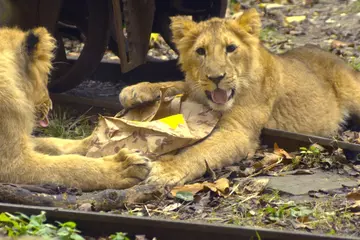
[[282, 211], [20, 224], [119, 236], [63, 125], [311, 151], [35, 225]]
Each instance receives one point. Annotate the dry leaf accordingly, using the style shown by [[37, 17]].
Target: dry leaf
[[355, 207], [281, 152], [294, 19], [354, 195], [251, 185], [340, 44], [192, 188], [300, 225], [171, 207], [270, 158], [220, 186]]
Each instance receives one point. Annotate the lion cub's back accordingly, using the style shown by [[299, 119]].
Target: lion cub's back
[[309, 102]]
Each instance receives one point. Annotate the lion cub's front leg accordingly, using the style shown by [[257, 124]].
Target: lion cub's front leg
[[137, 94], [119, 171], [59, 146]]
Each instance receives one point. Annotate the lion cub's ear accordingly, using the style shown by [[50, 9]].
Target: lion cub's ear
[[250, 21], [181, 26], [39, 44]]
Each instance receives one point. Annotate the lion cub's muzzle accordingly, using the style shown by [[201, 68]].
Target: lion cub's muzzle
[[42, 111], [220, 96]]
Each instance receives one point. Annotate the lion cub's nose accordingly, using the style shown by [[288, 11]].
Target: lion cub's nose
[[216, 78]]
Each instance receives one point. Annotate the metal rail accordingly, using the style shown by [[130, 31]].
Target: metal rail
[[103, 224]]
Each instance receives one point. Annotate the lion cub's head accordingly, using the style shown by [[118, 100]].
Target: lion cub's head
[[25, 62], [218, 56]]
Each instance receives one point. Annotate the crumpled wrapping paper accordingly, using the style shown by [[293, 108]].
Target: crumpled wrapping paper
[[157, 128]]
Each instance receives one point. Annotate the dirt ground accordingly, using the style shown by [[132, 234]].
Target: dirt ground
[[309, 190]]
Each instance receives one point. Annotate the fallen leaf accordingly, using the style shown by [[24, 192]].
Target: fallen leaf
[[171, 207], [339, 44], [349, 170], [300, 225], [269, 6], [220, 186], [355, 207], [186, 196], [192, 188], [251, 186], [294, 19], [298, 172], [281, 152], [86, 207], [269, 159], [354, 195]]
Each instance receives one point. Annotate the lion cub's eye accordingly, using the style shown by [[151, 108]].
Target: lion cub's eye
[[200, 51], [230, 48]]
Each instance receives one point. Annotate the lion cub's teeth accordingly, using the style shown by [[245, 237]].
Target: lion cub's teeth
[[228, 93]]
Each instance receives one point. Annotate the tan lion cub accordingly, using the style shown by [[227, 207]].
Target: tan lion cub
[[306, 90], [25, 62]]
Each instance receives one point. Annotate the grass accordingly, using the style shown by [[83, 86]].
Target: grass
[[64, 123]]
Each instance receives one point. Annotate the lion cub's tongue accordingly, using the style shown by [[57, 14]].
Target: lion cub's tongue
[[44, 122], [219, 96]]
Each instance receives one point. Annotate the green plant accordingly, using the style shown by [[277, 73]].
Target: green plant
[[63, 125], [311, 151], [119, 236], [20, 224]]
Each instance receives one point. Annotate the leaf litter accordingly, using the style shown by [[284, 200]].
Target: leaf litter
[[242, 195]]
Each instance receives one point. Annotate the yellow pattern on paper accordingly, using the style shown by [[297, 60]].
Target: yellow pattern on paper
[[154, 36], [173, 121]]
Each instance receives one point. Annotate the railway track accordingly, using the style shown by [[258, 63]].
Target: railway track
[[103, 224]]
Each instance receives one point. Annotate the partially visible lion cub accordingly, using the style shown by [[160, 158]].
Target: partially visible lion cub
[[306, 90], [25, 62]]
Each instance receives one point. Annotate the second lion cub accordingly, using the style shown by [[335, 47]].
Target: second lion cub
[[306, 90]]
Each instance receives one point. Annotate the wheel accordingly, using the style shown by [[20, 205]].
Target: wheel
[[96, 29], [164, 9]]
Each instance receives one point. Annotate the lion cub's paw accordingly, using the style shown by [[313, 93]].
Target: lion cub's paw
[[135, 95], [162, 175], [135, 166]]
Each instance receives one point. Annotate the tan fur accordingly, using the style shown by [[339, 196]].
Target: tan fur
[[24, 98], [306, 90]]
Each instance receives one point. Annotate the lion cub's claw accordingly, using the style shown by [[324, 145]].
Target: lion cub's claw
[[134, 164], [160, 175]]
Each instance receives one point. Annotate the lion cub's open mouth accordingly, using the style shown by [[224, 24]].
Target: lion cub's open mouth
[[44, 122], [220, 96]]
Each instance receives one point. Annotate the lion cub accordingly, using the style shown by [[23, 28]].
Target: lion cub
[[25, 62], [305, 90]]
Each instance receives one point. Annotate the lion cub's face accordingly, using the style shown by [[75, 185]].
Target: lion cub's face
[[29, 55], [217, 56]]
